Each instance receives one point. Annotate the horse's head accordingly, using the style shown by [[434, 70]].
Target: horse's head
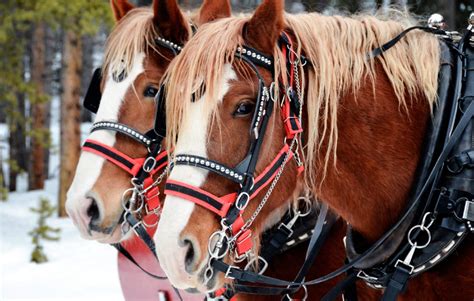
[[138, 51], [229, 142]]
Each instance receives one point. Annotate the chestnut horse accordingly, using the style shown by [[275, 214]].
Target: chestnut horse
[[362, 119]]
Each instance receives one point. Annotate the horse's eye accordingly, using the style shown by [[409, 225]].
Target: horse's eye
[[150, 91], [243, 109]]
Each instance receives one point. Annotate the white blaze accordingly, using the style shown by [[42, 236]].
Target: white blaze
[[177, 211], [90, 165]]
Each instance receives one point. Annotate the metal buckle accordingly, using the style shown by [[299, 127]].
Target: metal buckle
[[229, 270], [290, 231], [257, 259], [237, 202], [366, 277], [150, 168], [408, 267], [468, 212]]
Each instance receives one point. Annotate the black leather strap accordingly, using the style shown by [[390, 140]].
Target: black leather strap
[[336, 291], [142, 233], [397, 283], [391, 43], [129, 256]]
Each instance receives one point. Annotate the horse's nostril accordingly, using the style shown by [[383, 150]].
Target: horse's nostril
[[93, 210], [189, 260]]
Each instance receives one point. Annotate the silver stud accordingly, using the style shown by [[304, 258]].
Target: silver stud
[[258, 56], [187, 158], [227, 171], [207, 163], [231, 173], [253, 54], [213, 165], [241, 178], [192, 159]]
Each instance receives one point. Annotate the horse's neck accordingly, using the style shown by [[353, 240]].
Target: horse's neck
[[377, 154]]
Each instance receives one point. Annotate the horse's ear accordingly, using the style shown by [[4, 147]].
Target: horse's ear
[[265, 26], [120, 8], [170, 21], [214, 9]]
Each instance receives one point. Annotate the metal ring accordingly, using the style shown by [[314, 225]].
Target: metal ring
[[305, 294], [124, 201], [215, 253], [415, 244]]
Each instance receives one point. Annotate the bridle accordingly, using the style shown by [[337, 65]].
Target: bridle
[[235, 234], [144, 195]]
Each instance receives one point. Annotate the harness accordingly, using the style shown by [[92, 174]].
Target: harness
[[436, 220]]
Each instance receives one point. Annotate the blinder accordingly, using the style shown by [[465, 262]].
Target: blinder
[[93, 95]]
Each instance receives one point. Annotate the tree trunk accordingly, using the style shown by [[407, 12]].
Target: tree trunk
[[70, 114], [18, 156], [39, 106], [51, 52]]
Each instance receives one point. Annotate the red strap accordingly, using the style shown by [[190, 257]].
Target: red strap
[[290, 120], [268, 169], [130, 165], [218, 205]]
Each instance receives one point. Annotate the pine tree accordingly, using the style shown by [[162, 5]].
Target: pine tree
[[43, 231]]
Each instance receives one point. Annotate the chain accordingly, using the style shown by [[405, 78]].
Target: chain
[[271, 188], [298, 88]]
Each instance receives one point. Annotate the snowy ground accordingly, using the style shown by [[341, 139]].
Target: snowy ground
[[77, 269]]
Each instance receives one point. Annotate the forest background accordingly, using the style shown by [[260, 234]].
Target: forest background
[[49, 49]]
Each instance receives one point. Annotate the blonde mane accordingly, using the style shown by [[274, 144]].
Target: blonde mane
[[134, 34], [337, 47]]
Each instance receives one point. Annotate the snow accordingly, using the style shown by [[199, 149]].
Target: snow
[[77, 269]]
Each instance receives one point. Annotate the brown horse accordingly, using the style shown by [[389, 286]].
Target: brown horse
[[94, 198], [363, 122]]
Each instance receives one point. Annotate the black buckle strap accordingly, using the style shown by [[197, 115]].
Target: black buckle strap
[[458, 162]]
